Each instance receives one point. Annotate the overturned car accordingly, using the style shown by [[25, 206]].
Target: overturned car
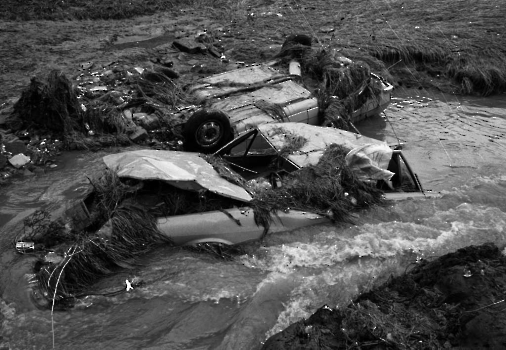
[[233, 102], [276, 177]]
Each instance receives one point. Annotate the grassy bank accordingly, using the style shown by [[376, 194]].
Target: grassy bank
[[454, 46], [55, 10], [451, 45]]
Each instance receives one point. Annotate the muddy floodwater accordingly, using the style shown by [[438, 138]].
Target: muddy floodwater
[[457, 146]]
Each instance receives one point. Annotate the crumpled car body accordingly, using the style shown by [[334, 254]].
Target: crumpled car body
[[260, 154], [259, 94], [262, 82]]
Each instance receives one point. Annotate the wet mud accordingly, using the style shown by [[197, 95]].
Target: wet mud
[[454, 301]]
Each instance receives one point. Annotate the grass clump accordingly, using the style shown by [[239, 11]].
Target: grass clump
[[50, 105], [118, 232], [452, 46], [58, 107], [341, 84], [329, 188]]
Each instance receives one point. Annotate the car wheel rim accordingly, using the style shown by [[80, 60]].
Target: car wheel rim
[[208, 133]]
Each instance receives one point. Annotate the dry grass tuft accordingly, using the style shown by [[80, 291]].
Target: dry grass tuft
[[329, 188]]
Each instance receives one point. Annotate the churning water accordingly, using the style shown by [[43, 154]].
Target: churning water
[[194, 301]]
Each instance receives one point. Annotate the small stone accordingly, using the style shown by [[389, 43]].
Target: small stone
[[19, 160]]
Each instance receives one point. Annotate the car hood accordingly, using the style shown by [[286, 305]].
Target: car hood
[[184, 170], [367, 157]]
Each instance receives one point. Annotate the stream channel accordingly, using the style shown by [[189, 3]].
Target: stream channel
[[191, 300]]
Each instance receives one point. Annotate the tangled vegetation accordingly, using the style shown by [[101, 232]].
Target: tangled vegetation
[[453, 46], [122, 218]]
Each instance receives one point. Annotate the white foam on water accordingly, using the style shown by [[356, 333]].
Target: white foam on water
[[334, 286], [340, 271]]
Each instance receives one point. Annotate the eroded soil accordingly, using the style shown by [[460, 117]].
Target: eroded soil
[[453, 302]]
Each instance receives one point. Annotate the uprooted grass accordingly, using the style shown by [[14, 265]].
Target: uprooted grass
[[342, 86], [121, 227], [50, 105], [127, 230], [454, 46], [329, 188], [55, 107], [122, 224]]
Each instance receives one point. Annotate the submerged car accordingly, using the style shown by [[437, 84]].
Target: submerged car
[[239, 100], [276, 177], [262, 158]]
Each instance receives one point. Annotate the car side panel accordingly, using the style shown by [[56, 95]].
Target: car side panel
[[237, 227]]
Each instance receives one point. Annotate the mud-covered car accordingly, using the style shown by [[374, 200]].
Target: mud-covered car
[[274, 178], [233, 102], [261, 160]]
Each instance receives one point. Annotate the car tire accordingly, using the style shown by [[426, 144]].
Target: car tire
[[207, 131]]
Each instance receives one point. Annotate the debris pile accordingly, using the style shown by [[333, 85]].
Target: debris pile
[[118, 104], [120, 219], [341, 85], [329, 188], [101, 106]]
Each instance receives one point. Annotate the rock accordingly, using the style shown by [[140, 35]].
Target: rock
[[15, 146], [19, 160], [189, 45], [138, 135]]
